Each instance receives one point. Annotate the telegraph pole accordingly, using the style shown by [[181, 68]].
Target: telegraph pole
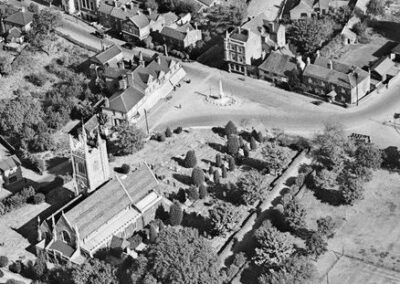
[[147, 122]]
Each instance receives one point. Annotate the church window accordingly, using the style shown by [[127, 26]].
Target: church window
[[81, 168]]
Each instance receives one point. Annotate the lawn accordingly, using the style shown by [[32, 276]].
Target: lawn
[[367, 231]]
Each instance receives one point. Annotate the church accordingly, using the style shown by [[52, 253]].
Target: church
[[107, 205]]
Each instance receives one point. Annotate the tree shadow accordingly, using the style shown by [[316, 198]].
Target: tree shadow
[[219, 130], [217, 147], [329, 196], [388, 29], [245, 135], [290, 181], [187, 180], [391, 158], [385, 49], [196, 221], [254, 163]]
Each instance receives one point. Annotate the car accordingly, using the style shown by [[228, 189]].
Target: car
[[128, 45], [99, 34], [317, 103]]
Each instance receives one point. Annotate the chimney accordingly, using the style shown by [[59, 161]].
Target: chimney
[[23, 9], [123, 8], [317, 54], [129, 75], [106, 102], [239, 30], [226, 34], [330, 64], [300, 63], [115, 3], [165, 50], [196, 25], [122, 83], [149, 11], [158, 59], [141, 61], [308, 62], [187, 29], [121, 64]]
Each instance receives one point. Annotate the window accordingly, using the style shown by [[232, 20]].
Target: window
[[81, 168], [65, 237], [91, 6]]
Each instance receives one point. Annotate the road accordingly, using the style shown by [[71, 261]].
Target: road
[[259, 101]]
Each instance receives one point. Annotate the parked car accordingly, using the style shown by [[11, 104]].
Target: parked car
[[99, 34]]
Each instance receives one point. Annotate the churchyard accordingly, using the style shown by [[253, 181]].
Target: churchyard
[[167, 159]]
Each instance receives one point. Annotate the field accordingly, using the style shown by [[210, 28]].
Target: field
[[367, 233]]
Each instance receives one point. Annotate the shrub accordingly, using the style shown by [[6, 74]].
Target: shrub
[[175, 214], [217, 177], [258, 136], [197, 176], [3, 261], [39, 198], [218, 160], [37, 79], [230, 129], [232, 164], [239, 259], [253, 143], [203, 191], [210, 170], [125, 168], [233, 145], [224, 171], [190, 159], [181, 196], [15, 267], [193, 193], [178, 130], [246, 151], [161, 137], [168, 132], [111, 158]]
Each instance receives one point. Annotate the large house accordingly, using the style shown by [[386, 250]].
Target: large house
[[106, 208], [336, 81], [277, 67], [136, 27], [250, 43], [181, 34], [137, 83], [310, 8], [21, 20], [10, 170]]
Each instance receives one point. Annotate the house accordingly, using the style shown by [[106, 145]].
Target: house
[[136, 27], [109, 57], [395, 52], [21, 19], [112, 14], [246, 45], [336, 81], [277, 67], [106, 206], [88, 9], [181, 34], [310, 8], [15, 35], [10, 169], [383, 69], [140, 87]]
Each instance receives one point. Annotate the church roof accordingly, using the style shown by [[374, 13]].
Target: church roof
[[111, 199]]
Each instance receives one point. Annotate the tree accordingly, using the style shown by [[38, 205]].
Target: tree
[[326, 226], [125, 168], [224, 171], [40, 267], [276, 157], [369, 156], [33, 8], [230, 129], [129, 139], [5, 65], [3, 261], [168, 132], [94, 271], [246, 151], [252, 186], [203, 191], [273, 247], [253, 143], [351, 188], [294, 215], [193, 193], [218, 160], [231, 162], [175, 214], [325, 179], [224, 217], [198, 176], [307, 35], [151, 4], [232, 145], [330, 147], [180, 255], [190, 159], [316, 244], [217, 177], [376, 7]]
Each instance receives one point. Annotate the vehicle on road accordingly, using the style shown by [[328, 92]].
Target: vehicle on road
[[99, 34]]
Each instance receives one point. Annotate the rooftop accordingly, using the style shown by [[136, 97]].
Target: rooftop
[[278, 63], [21, 18], [9, 163], [108, 54]]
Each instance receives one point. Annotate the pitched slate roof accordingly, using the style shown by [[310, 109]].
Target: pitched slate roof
[[62, 247], [173, 33], [278, 63], [110, 200], [20, 18], [139, 20], [383, 65], [170, 18], [396, 49], [108, 54], [14, 32], [124, 101], [9, 163]]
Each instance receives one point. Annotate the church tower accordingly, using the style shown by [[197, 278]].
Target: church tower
[[89, 162]]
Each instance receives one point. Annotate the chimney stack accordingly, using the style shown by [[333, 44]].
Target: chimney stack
[[165, 50], [308, 62], [149, 11], [106, 102], [129, 75], [158, 59], [122, 83], [196, 25], [141, 61], [121, 64], [317, 54]]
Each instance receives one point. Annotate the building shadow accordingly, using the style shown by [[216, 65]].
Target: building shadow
[[388, 29], [185, 179]]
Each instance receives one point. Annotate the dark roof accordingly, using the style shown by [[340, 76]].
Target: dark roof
[[173, 33], [338, 66], [396, 49], [9, 163], [170, 18], [20, 18], [113, 72], [108, 54], [125, 100], [119, 243], [243, 35], [62, 247], [110, 199], [278, 63]]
